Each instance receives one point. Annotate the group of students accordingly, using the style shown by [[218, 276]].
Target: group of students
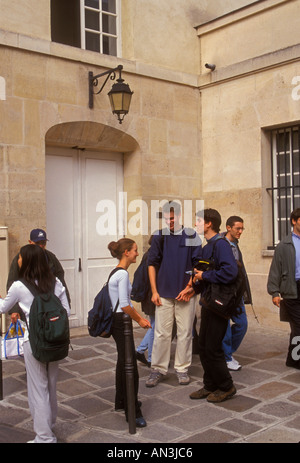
[[174, 251]]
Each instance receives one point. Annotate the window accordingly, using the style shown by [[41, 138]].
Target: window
[[65, 22], [285, 190], [88, 24], [99, 26]]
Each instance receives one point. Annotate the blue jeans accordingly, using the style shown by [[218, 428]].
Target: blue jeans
[[147, 341], [235, 333]]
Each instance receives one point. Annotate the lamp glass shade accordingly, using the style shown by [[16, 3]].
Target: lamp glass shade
[[120, 98]]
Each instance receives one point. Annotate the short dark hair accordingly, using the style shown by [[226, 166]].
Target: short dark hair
[[232, 219], [213, 216], [295, 215], [171, 206]]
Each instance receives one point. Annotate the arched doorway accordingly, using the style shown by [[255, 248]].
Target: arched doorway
[[84, 169]]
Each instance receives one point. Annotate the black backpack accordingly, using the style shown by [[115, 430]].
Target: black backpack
[[100, 316], [141, 283], [49, 332], [224, 299], [141, 288]]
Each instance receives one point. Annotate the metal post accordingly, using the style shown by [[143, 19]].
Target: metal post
[[1, 381], [129, 373], [1, 375]]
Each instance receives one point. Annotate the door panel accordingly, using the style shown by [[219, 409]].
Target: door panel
[[101, 182], [76, 183], [98, 186], [60, 199]]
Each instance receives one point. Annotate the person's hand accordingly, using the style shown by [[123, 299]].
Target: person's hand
[[156, 299], [14, 317], [197, 275], [276, 300], [186, 294], [144, 323]]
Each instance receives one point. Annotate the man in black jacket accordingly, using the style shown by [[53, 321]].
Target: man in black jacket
[[217, 381]]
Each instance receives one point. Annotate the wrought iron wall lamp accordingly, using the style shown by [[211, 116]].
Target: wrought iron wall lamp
[[119, 95]]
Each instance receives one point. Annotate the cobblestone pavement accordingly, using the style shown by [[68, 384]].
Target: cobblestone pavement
[[266, 408]]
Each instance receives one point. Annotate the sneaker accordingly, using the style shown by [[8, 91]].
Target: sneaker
[[183, 378], [220, 396], [141, 358], [201, 394], [233, 365], [154, 378]]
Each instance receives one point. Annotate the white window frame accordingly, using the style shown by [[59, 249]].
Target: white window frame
[[100, 32]]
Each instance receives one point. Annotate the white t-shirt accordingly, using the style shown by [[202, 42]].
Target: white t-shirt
[[18, 293], [119, 287]]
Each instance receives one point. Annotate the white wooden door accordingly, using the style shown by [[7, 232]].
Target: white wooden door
[[78, 185]]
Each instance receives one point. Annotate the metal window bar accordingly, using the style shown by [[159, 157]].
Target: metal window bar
[[285, 189]]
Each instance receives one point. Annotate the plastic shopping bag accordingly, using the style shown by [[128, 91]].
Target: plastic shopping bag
[[12, 343]]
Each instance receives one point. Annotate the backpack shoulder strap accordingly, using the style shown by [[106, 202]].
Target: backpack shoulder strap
[[214, 245], [33, 291], [32, 288], [110, 275], [114, 271]]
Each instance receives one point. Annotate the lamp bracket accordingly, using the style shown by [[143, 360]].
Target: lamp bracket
[[93, 81]]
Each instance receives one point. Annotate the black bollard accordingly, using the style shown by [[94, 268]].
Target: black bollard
[[129, 373]]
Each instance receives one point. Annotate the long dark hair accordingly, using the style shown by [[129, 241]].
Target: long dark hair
[[35, 268]]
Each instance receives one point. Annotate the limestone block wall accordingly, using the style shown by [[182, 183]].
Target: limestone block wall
[[260, 28], [256, 53], [30, 18], [237, 116], [47, 87]]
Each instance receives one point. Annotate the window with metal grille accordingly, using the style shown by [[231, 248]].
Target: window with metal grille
[[88, 24], [285, 190]]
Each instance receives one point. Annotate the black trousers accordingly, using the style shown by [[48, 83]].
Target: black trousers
[[211, 334], [292, 307], [121, 396]]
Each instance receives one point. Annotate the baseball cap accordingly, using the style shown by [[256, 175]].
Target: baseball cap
[[37, 235]]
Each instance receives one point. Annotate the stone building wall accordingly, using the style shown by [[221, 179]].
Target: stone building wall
[[248, 94]]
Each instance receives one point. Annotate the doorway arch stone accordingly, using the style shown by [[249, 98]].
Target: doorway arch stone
[[90, 135]]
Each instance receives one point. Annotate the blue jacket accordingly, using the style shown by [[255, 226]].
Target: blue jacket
[[174, 254], [226, 267]]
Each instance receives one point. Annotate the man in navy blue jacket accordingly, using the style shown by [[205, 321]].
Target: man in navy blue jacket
[[217, 381], [173, 251]]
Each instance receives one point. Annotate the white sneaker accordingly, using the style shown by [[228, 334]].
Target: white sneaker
[[233, 365]]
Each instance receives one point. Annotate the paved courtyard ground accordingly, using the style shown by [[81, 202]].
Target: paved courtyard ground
[[266, 408]]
